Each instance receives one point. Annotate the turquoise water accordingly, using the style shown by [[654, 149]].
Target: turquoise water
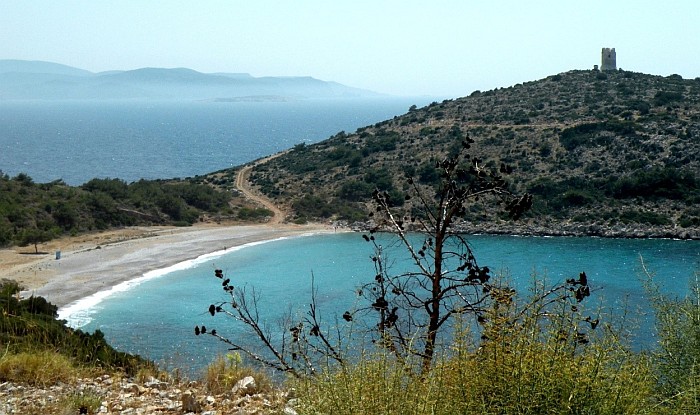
[[156, 317]]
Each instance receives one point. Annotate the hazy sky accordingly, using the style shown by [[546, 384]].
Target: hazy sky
[[446, 48]]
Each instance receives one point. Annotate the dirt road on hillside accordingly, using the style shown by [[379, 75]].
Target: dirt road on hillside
[[243, 185]]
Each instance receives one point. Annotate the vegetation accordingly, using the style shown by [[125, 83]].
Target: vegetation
[[39, 349], [225, 371], [526, 368], [32, 213], [531, 353], [589, 147], [677, 359]]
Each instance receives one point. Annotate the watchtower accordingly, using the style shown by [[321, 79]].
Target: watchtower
[[609, 60]]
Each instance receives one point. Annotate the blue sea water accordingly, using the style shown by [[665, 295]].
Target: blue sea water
[[157, 318], [79, 140]]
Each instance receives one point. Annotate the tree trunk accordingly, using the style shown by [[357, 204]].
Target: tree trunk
[[434, 312]]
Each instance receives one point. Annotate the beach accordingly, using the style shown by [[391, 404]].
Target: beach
[[95, 262]]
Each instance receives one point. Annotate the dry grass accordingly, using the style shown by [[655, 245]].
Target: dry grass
[[526, 378], [222, 374], [38, 368]]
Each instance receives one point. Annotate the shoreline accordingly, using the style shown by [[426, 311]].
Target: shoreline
[[100, 262], [78, 312]]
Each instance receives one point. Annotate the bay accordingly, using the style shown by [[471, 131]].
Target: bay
[[156, 317]]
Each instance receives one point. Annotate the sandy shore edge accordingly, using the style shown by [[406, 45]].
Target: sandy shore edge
[[96, 262]]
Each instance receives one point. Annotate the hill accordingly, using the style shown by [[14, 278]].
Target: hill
[[51, 81], [603, 153]]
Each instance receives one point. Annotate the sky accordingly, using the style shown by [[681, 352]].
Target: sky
[[446, 48]]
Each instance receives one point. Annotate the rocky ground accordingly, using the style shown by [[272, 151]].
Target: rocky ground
[[112, 395], [560, 228]]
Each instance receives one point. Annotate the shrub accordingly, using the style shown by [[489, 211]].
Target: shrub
[[662, 98], [590, 134]]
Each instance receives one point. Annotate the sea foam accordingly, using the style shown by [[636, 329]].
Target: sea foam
[[79, 313]]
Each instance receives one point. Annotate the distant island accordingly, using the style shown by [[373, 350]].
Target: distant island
[[38, 80]]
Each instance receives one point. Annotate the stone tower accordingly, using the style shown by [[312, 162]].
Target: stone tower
[[608, 61]]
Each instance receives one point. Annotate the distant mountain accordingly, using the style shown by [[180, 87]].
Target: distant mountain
[[52, 81], [40, 67]]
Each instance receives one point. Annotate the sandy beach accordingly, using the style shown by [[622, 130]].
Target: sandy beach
[[94, 262]]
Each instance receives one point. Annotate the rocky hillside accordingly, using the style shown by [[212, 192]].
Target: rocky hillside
[[603, 153]]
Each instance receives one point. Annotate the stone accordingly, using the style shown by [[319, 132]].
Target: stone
[[189, 402], [245, 386], [154, 383], [131, 387]]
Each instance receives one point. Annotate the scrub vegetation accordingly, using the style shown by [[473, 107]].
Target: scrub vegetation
[[32, 213]]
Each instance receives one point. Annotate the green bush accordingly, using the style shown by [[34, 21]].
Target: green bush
[[246, 213], [27, 208], [637, 216], [355, 191], [590, 134], [662, 98], [668, 182], [30, 325]]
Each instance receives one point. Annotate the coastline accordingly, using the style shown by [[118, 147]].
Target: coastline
[[98, 262]]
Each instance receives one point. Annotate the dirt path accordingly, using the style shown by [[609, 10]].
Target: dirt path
[[243, 185], [35, 271]]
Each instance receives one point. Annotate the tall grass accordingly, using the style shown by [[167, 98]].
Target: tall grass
[[676, 362], [526, 363], [536, 354], [225, 371]]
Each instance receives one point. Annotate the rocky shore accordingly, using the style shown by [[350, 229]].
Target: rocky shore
[[112, 395], [573, 229], [632, 231]]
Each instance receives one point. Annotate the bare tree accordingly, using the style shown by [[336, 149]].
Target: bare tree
[[292, 346], [414, 307], [407, 312]]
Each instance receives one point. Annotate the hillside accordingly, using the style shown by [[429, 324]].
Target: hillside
[[20, 80], [603, 153]]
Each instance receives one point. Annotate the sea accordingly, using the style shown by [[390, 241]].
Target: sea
[[76, 141], [155, 315]]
